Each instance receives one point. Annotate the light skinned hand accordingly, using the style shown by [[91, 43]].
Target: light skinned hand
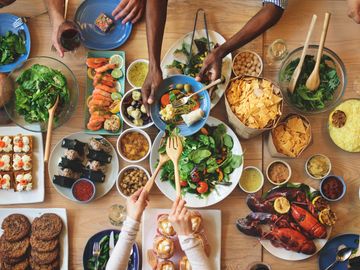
[[129, 10], [354, 10], [152, 82], [180, 217], [211, 68], [137, 203]]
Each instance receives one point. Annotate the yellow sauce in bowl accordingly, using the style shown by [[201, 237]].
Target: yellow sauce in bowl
[[137, 73], [251, 180]]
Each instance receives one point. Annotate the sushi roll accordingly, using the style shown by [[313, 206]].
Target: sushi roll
[[22, 143], [75, 165], [100, 156], [63, 181], [100, 144], [103, 22], [5, 162], [22, 162], [95, 165], [95, 176], [23, 181], [73, 155], [6, 180], [69, 173], [74, 145], [6, 144]]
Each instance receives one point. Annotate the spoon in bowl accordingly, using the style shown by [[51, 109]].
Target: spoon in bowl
[[341, 256]]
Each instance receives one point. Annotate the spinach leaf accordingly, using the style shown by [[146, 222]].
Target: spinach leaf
[[199, 155]]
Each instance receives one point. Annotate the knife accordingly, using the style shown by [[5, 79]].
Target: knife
[[111, 243]]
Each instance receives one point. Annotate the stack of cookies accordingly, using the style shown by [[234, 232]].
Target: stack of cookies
[[45, 249], [15, 243]]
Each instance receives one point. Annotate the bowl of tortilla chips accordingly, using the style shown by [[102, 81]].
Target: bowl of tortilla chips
[[290, 137], [253, 105]]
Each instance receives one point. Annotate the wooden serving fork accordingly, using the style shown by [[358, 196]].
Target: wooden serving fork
[[174, 149]]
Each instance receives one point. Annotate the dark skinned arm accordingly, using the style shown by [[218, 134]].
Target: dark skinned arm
[[155, 24], [268, 16]]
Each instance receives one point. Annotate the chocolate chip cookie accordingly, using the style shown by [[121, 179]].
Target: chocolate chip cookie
[[16, 227], [47, 227], [45, 257], [43, 246]]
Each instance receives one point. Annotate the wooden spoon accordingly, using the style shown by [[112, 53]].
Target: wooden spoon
[[174, 149], [163, 158], [313, 81], [49, 128], [296, 74]]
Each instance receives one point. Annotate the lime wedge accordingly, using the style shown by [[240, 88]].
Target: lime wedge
[[118, 86], [116, 96], [117, 73], [117, 60]]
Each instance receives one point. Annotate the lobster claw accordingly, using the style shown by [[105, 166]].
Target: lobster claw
[[250, 224]]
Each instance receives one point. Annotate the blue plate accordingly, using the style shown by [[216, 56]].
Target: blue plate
[[328, 252], [204, 99], [92, 37], [97, 237], [6, 21]]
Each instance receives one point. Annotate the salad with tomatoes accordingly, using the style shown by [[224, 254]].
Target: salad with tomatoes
[[206, 161]]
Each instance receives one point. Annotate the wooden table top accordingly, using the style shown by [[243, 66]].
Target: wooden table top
[[226, 17]]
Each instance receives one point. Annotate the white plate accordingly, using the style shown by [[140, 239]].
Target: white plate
[[192, 200], [214, 37], [37, 194], [291, 255], [111, 172], [31, 214], [212, 226]]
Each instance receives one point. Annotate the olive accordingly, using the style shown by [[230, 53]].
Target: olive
[[180, 86], [187, 88]]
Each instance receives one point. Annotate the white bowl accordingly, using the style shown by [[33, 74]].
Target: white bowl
[[254, 53], [118, 148], [309, 174], [278, 161], [262, 179], [122, 172], [131, 66], [123, 115]]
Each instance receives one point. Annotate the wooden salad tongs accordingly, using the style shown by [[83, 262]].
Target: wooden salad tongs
[[174, 149], [163, 158], [297, 71], [49, 128]]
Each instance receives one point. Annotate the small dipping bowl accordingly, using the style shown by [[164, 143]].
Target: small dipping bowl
[[136, 66], [83, 190], [333, 188], [244, 58], [307, 165], [272, 164], [249, 172], [121, 174]]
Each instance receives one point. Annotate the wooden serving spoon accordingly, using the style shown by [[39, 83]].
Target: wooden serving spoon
[[313, 81], [49, 129], [296, 74], [163, 158]]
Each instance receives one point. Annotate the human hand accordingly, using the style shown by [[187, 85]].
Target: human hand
[[180, 217], [4, 3], [152, 82], [136, 204], [211, 68], [354, 10], [129, 10]]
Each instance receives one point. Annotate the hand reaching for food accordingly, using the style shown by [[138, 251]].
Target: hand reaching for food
[[129, 10], [137, 203], [152, 82], [180, 217], [354, 10], [211, 68]]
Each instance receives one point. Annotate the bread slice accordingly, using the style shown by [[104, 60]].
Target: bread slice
[[22, 143], [23, 181]]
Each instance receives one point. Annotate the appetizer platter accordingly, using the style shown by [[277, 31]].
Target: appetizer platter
[[299, 219], [99, 29], [105, 88], [103, 238], [41, 236], [222, 170], [206, 225], [80, 155], [175, 60], [21, 166], [14, 43]]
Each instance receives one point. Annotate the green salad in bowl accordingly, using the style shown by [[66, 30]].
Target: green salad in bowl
[[332, 81]]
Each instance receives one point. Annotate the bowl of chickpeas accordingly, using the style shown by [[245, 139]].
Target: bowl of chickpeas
[[131, 179], [247, 63]]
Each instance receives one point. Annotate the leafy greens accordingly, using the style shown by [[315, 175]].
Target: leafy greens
[[11, 47]]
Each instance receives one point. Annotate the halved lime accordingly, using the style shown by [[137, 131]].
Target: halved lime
[[117, 60], [117, 73], [118, 86], [116, 96]]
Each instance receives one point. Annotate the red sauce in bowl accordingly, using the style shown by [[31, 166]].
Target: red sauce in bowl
[[83, 190], [332, 188]]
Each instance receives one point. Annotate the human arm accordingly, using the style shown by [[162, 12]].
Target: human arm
[[155, 24], [354, 10], [4, 3], [135, 206], [180, 220], [129, 10], [268, 16]]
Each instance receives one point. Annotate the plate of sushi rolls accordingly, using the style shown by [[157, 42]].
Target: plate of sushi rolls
[[81, 155]]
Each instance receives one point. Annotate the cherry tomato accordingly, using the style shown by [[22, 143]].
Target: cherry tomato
[[202, 187], [183, 183]]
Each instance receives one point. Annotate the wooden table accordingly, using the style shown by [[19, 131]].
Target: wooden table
[[226, 17]]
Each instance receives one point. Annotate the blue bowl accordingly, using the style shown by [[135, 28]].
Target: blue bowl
[[204, 99], [342, 182]]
